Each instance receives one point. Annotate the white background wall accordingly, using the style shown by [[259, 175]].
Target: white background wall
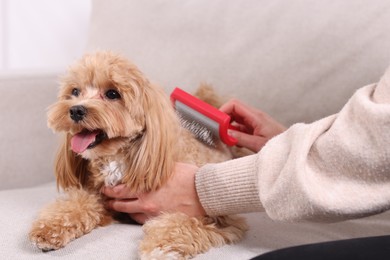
[[42, 34]]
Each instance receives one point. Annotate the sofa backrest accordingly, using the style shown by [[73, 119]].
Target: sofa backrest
[[297, 60], [27, 147]]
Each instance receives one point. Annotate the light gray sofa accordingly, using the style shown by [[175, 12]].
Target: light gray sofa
[[297, 60]]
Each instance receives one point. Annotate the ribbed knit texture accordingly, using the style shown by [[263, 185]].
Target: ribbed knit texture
[[227, 188]]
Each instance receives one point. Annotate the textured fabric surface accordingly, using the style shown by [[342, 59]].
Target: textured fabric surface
[[119, 241], [235, 190], [27, 146], [21, 206], [297, 60], [358, 249]]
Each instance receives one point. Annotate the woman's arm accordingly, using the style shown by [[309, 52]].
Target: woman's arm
[[333, 169]]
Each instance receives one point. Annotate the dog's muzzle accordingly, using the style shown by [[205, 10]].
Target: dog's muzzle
[[77, 113]]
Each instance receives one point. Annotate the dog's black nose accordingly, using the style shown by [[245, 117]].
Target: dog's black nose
[[77, 113]]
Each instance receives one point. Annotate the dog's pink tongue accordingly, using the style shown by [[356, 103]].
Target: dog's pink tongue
[[81, 141]]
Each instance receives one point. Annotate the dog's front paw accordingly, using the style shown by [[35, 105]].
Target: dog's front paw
[[52, 234], [76, 213]]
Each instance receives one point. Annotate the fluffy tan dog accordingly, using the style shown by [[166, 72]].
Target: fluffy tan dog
[[120, 128]]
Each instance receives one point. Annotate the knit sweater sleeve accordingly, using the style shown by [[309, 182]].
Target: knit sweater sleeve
[[333, 169]]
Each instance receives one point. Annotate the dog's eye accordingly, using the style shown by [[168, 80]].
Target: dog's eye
[[113, 94], [75, 92]]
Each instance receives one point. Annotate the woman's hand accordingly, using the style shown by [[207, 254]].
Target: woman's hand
[[177, 195], [255, 127]]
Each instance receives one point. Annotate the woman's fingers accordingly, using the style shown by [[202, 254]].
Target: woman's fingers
[[127, 206], [139, 217], [238, 111], [118, 192], [252, 142]]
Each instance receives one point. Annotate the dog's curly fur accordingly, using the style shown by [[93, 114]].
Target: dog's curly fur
[[140, 138]]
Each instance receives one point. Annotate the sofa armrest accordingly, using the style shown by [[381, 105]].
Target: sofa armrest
[[27, 145]]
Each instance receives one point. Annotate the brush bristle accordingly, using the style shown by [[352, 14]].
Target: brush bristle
[[200, 132], [204, 129]]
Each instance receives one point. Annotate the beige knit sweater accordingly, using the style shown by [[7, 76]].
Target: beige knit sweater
[[333, 169]]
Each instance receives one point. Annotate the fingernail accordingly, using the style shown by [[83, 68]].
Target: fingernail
[[231, 133]]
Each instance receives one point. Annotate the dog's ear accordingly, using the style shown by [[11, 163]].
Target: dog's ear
[[70, 169], [153, 156]]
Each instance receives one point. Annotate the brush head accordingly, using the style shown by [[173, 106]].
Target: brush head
[[206, 122], [204, 129]]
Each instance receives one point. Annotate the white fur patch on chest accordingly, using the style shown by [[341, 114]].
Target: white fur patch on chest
[[112, 174]]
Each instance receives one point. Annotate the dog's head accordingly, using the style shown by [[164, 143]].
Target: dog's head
[[105, 107]]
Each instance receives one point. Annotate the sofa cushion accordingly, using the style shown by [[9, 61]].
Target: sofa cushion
[[119, 241]]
